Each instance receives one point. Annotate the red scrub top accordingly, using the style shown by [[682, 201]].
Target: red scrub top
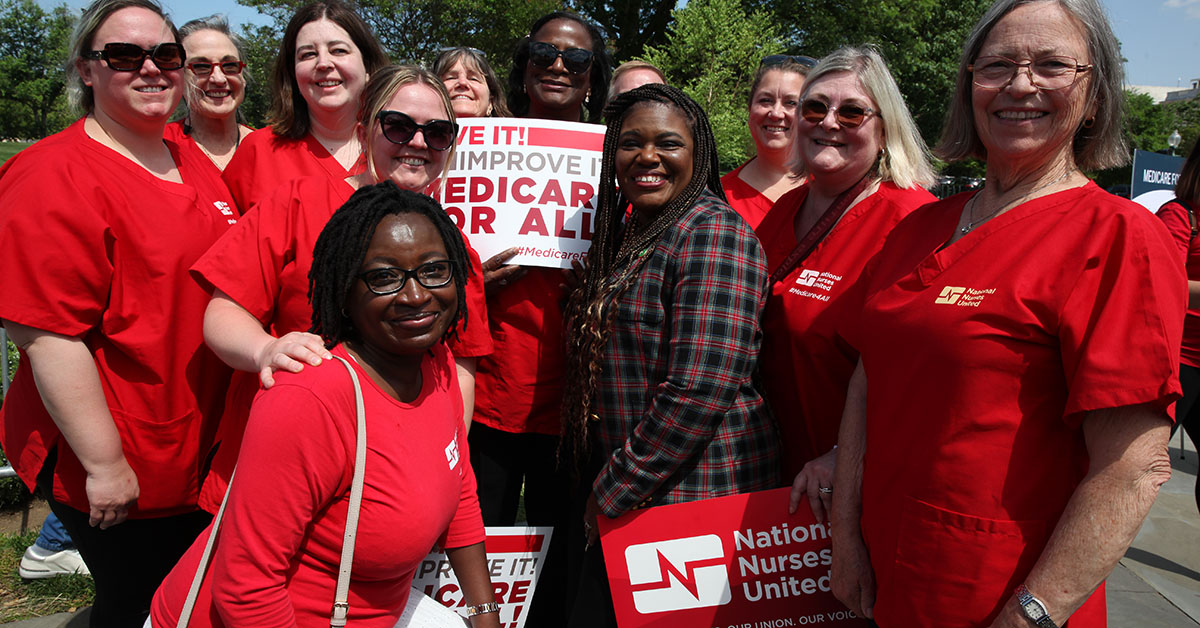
[[275, 562], [1175, 216], [264, 161], [519, 387], [94, 246], [805, 365], [747, 201], [263, 265], [981, 360], [174, 133]]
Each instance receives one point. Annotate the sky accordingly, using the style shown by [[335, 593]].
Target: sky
[[1160, 38]]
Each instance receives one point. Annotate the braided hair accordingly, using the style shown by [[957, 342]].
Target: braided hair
[[619, 252], [343, 243]]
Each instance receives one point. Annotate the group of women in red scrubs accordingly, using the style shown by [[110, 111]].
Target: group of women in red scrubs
[[1005, 429]]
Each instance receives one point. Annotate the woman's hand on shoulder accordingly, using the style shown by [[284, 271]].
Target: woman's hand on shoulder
[[290, 353], [816, 481], [496, 274], [111, 490]]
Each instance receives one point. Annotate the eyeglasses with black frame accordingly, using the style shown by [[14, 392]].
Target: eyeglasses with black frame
[[847, 115], [126, 57], [399, 128], [1050, 72], [228, 68], [390, 280], [575, 60]]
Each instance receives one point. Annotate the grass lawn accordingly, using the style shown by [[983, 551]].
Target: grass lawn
[[24, 599], [8, 149]]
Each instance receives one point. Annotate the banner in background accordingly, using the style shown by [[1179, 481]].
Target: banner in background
[[1154, 178], [515, 556], [525, 183], [731, 562]]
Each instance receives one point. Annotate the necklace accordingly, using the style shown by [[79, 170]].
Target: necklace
[[972, 222]]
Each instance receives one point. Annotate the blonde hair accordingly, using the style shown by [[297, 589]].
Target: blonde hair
[[382, 86], [80, 96]]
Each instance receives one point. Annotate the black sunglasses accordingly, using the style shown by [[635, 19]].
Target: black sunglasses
[[849, 116], [228, 68], [398, 128], [124, 57], [772, 60], [575, 60], [391, 280]]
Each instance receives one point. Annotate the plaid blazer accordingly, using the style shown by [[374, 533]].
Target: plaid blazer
[[680, 417]]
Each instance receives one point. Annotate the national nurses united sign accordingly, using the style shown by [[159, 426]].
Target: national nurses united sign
[[731, 562], [525, 183]]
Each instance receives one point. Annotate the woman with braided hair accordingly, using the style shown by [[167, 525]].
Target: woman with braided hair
[[663, 332]]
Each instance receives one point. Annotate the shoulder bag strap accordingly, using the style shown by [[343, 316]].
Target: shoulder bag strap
[[341, 605], [819, 230]]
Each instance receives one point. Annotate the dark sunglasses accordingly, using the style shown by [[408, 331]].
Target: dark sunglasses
[[849, 116], [391, 280], [575, 60], [772, 60], [228, 68], [398, 128], [125, 57]]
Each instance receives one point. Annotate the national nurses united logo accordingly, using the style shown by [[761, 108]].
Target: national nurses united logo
[[814, 284], [963, 297], [678, 574]]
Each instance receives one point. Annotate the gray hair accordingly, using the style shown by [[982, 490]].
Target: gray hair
[[905, 159], [219, 23], [1098, 145], [79, 95]]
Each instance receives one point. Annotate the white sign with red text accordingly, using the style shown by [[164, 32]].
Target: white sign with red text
[[525, 183], [515, 556]]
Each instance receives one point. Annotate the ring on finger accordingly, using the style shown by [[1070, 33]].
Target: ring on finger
[[826, 489]]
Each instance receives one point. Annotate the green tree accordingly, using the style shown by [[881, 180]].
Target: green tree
[[1185, 117], [33, 49], [261, 46], [631, 25], [711, 52]]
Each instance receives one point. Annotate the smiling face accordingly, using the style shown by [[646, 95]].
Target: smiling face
[[831, 150], [555, 93], [142, 99], [217, 95], [655, 155], [773, 108], [329, 68], [1019, 124], [412, 165], [408, 322], [468, 89]]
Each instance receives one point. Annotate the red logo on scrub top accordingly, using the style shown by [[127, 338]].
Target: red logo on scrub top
[[678, 574]]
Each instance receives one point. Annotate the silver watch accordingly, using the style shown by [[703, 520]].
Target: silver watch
[[1033, 608]]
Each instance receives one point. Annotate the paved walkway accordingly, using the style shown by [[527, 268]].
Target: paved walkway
[[1156, 585]]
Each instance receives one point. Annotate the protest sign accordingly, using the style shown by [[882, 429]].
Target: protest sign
[[515, 556], [1154, 178], [525, 183], [731, 562]]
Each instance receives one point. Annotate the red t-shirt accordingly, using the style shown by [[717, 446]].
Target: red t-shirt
[[94, 246], [981, 360], [264, 161], [277, 553], [519, 387], [805, 365], [1175, 217], [747, 201], [263, 265]]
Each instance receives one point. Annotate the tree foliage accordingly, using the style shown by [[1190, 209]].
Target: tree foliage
[[33, 49], [711, 52], [631, 25]]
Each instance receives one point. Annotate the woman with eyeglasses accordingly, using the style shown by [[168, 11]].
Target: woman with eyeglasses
[[753, 187], [326, 56], [388, 281], [866, 164], [258, 320], [474, 89], [215, 88], [1005, 431], [112, 409]]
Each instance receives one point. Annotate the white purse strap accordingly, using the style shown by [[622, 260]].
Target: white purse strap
[[341, 605]]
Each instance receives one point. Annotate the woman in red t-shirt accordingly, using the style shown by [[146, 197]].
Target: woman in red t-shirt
[[1181, 219], [326, 56], [854, 137]]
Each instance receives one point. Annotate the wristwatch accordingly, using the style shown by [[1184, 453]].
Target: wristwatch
[[1034, 610]]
